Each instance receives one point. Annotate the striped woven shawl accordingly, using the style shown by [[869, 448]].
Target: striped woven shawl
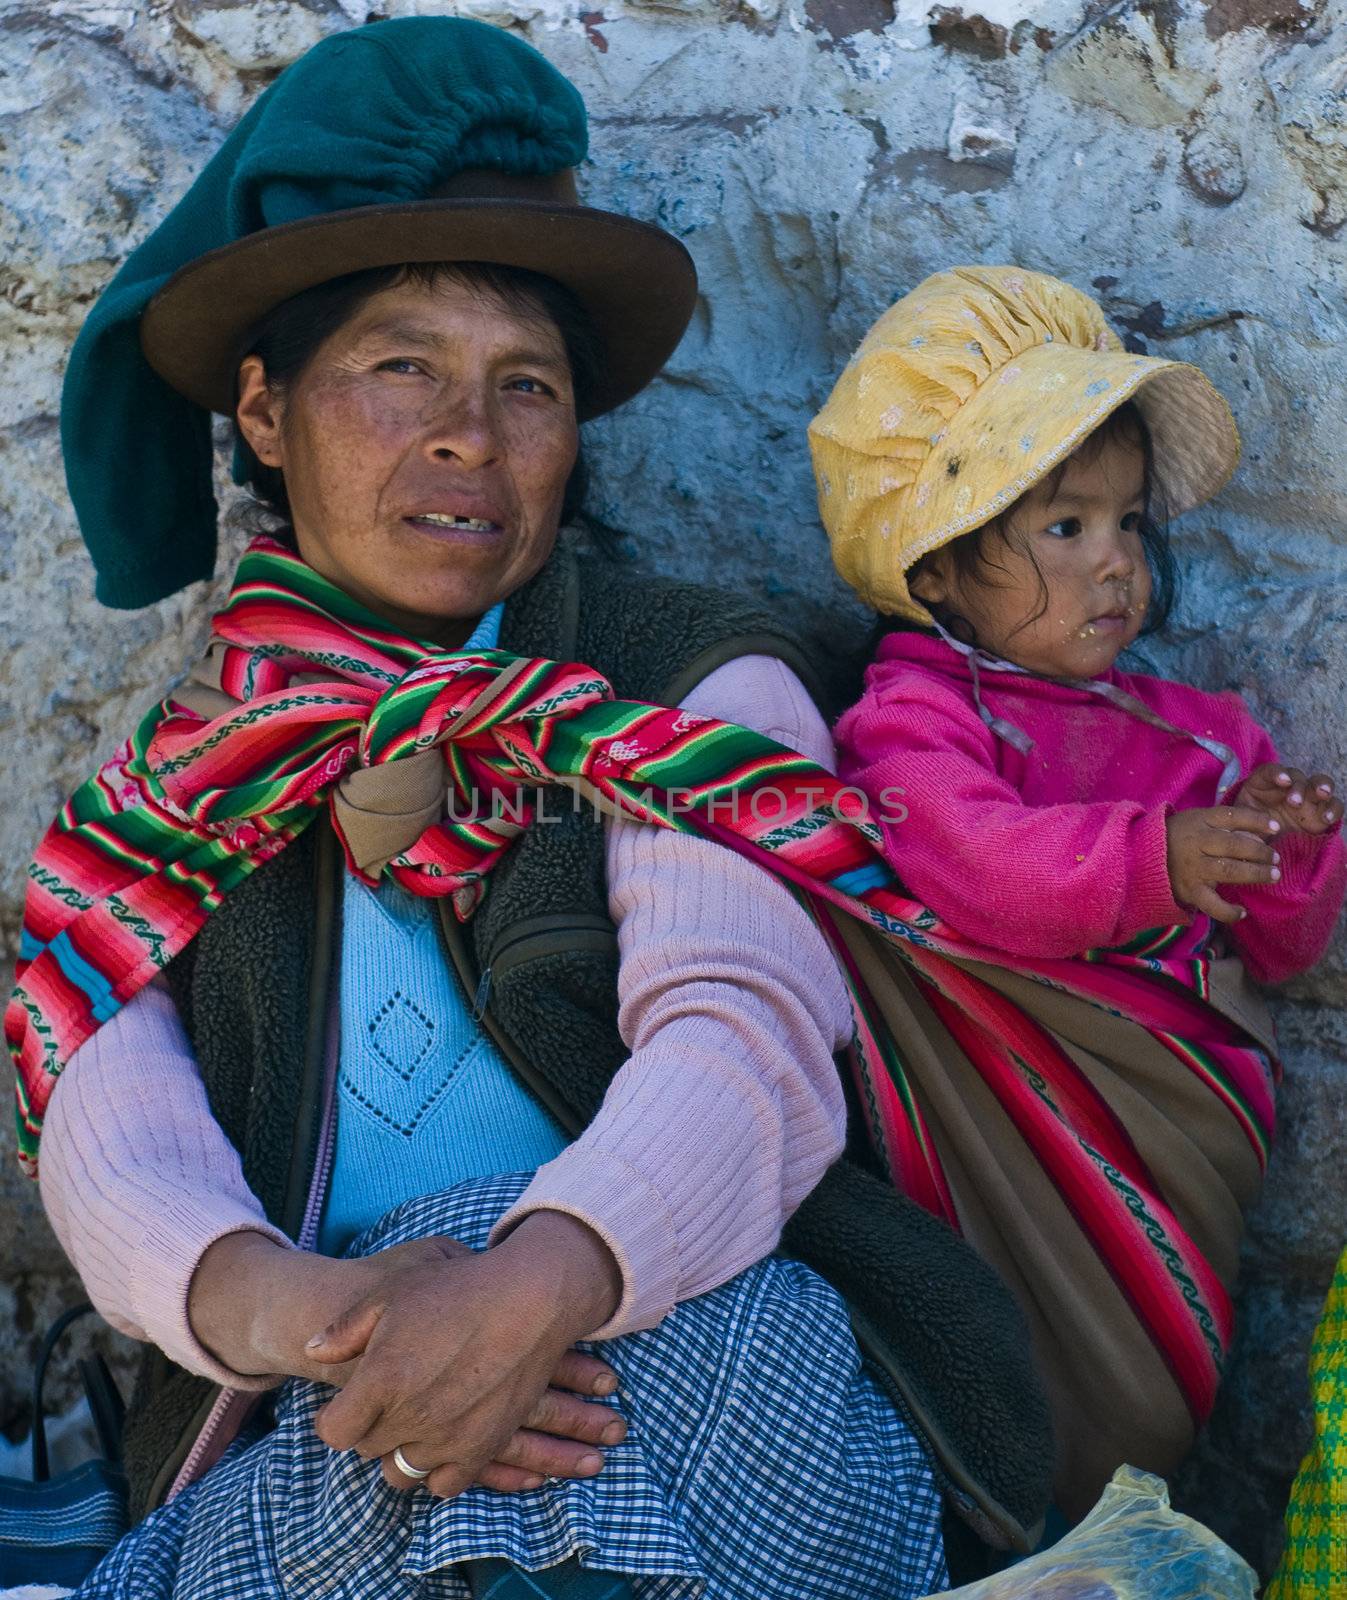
[[1069, 1115]]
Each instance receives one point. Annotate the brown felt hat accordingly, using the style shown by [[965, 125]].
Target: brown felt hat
[[636, 282]]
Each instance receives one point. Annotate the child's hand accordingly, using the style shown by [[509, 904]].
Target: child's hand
[[1300, 804], [1215, 845]]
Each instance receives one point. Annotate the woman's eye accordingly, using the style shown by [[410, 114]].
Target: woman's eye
[[400, 364], [532, 386], [1131, 523], [1067, 528]]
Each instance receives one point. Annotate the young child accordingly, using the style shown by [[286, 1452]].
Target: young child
[[995, 472]]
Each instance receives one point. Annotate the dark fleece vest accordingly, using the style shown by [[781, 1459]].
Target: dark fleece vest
[[540, 959]]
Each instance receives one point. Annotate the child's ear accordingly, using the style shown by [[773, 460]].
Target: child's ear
[[928, 581]]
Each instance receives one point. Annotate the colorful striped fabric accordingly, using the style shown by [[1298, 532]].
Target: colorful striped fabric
[[146, 849]]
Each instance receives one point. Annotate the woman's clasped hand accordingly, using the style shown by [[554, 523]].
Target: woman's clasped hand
[[464, 1359]]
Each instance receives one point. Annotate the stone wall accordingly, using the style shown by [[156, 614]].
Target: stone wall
[[1185, 159]]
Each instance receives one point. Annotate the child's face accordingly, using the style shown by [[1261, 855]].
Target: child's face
[[1084, 535]]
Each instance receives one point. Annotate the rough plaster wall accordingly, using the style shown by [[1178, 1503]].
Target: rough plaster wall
[[1186, 159]]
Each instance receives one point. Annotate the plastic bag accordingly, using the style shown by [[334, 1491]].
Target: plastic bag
[[1132, 1546]]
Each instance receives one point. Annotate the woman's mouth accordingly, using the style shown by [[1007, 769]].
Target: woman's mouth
[[450, 526]]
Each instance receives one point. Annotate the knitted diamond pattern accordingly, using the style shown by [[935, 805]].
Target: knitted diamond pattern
[[401, 1035]]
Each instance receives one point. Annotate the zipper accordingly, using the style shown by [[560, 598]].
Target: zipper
[[327, 1132], [550, 935], [479, 1000], [231, 1408], [541, 936], [314, 1087], [226, 1408]]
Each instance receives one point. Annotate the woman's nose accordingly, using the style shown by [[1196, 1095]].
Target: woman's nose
[[464, 430]]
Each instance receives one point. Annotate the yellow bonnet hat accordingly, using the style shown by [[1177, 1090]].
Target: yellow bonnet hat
[[969, 390]]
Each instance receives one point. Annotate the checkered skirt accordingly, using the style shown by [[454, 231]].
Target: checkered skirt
[[761, 1463]]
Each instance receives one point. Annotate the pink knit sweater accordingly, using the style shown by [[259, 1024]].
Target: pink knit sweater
[[727, 1113], [1063, 848]]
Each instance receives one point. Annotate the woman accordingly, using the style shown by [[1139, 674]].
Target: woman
[[342, 1058]]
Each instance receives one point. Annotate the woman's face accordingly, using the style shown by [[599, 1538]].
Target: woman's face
[[1081, 541], [426, 447]]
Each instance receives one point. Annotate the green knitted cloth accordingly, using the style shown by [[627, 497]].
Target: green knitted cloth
[[379, 114]]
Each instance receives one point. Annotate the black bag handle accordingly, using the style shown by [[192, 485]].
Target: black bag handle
[[105, 1400], [106, 1407]]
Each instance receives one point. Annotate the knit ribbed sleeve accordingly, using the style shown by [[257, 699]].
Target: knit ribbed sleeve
[[139, 1180], [729, 1109]]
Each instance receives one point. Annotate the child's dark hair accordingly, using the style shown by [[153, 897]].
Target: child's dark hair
[[973, 561]]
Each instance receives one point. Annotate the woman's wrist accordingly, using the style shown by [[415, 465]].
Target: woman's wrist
[[223, 1299], [253, 1303], [574, 1268]]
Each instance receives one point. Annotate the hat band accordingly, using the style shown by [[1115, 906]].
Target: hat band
[[489, 183]]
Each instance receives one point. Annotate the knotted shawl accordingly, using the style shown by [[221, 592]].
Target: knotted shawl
[[1095, 1126]]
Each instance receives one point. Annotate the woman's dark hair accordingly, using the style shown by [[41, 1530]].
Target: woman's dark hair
[[973, 557], [287, 337]]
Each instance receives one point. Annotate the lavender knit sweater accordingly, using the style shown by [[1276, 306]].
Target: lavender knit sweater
[[726, 1114]]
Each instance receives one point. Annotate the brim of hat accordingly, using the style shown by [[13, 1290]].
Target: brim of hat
[[1029, 417], [637, 283]]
